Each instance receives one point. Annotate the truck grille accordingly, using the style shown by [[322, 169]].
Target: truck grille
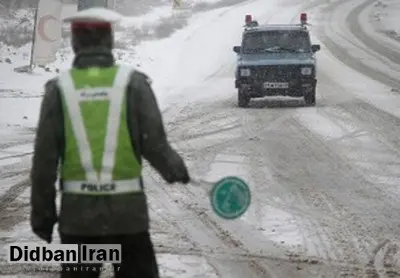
[[275, 73]]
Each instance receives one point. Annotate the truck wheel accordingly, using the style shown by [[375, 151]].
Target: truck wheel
[[243, 99], [309, 98]]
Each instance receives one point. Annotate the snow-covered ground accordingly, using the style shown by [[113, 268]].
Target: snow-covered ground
[[386, 17], [325, 179], [174, 63]]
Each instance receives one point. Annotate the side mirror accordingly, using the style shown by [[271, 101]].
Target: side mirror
[[236, 49], [315, 48]]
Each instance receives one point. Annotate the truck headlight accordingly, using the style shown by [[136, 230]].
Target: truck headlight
[[244, 72], [306, 71]]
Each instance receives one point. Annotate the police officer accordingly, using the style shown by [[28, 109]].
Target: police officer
[[99, 120]]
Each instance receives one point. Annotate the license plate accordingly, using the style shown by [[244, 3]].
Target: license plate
[[276, 85]]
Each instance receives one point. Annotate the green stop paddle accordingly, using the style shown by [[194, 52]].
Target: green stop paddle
[[230, 197]]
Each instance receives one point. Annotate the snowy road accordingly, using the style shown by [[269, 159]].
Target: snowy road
[[325, 179], [329, 174]]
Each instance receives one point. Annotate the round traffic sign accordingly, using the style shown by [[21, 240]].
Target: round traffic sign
[[230, 197]]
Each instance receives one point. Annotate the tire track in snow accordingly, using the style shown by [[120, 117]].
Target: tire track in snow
[[257, 129], [13, 144], [353, 22], [11, 194], [307, 225], [377, 125], [380, 124], [280, 119], [213, 108], [222, 238], [383, 125], [200, 210], [390, 260], [12, 168], [12, 212], [336, 202], [343, 54], [326, 8], [15, 174], [366, 120], [382, 223], [383, 264], [330, 260]]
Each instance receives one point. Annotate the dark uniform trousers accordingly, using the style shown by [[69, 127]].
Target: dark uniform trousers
[[138, 257]]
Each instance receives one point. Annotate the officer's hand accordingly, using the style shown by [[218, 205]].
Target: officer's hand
[[169, 178], [178, 175], [183, 176]]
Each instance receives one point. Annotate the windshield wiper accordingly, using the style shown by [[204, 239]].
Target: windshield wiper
[[274, 49], [280, 48]]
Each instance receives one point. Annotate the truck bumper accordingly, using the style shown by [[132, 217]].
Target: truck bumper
[[296, 89]]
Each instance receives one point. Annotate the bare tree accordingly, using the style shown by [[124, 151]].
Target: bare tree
[[18, 4]]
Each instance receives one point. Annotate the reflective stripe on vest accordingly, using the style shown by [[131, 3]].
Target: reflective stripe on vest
[[103, 188], [97, 183]]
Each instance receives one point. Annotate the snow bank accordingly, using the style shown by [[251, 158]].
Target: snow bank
[[197, 52], [155, 15]]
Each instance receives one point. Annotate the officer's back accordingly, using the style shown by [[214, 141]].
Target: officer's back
[[92, 209]]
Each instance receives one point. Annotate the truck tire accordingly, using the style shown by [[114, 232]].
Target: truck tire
[[310, 98], [243, 99]]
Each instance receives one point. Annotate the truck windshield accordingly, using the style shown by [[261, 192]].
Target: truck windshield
[[276, 41]]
